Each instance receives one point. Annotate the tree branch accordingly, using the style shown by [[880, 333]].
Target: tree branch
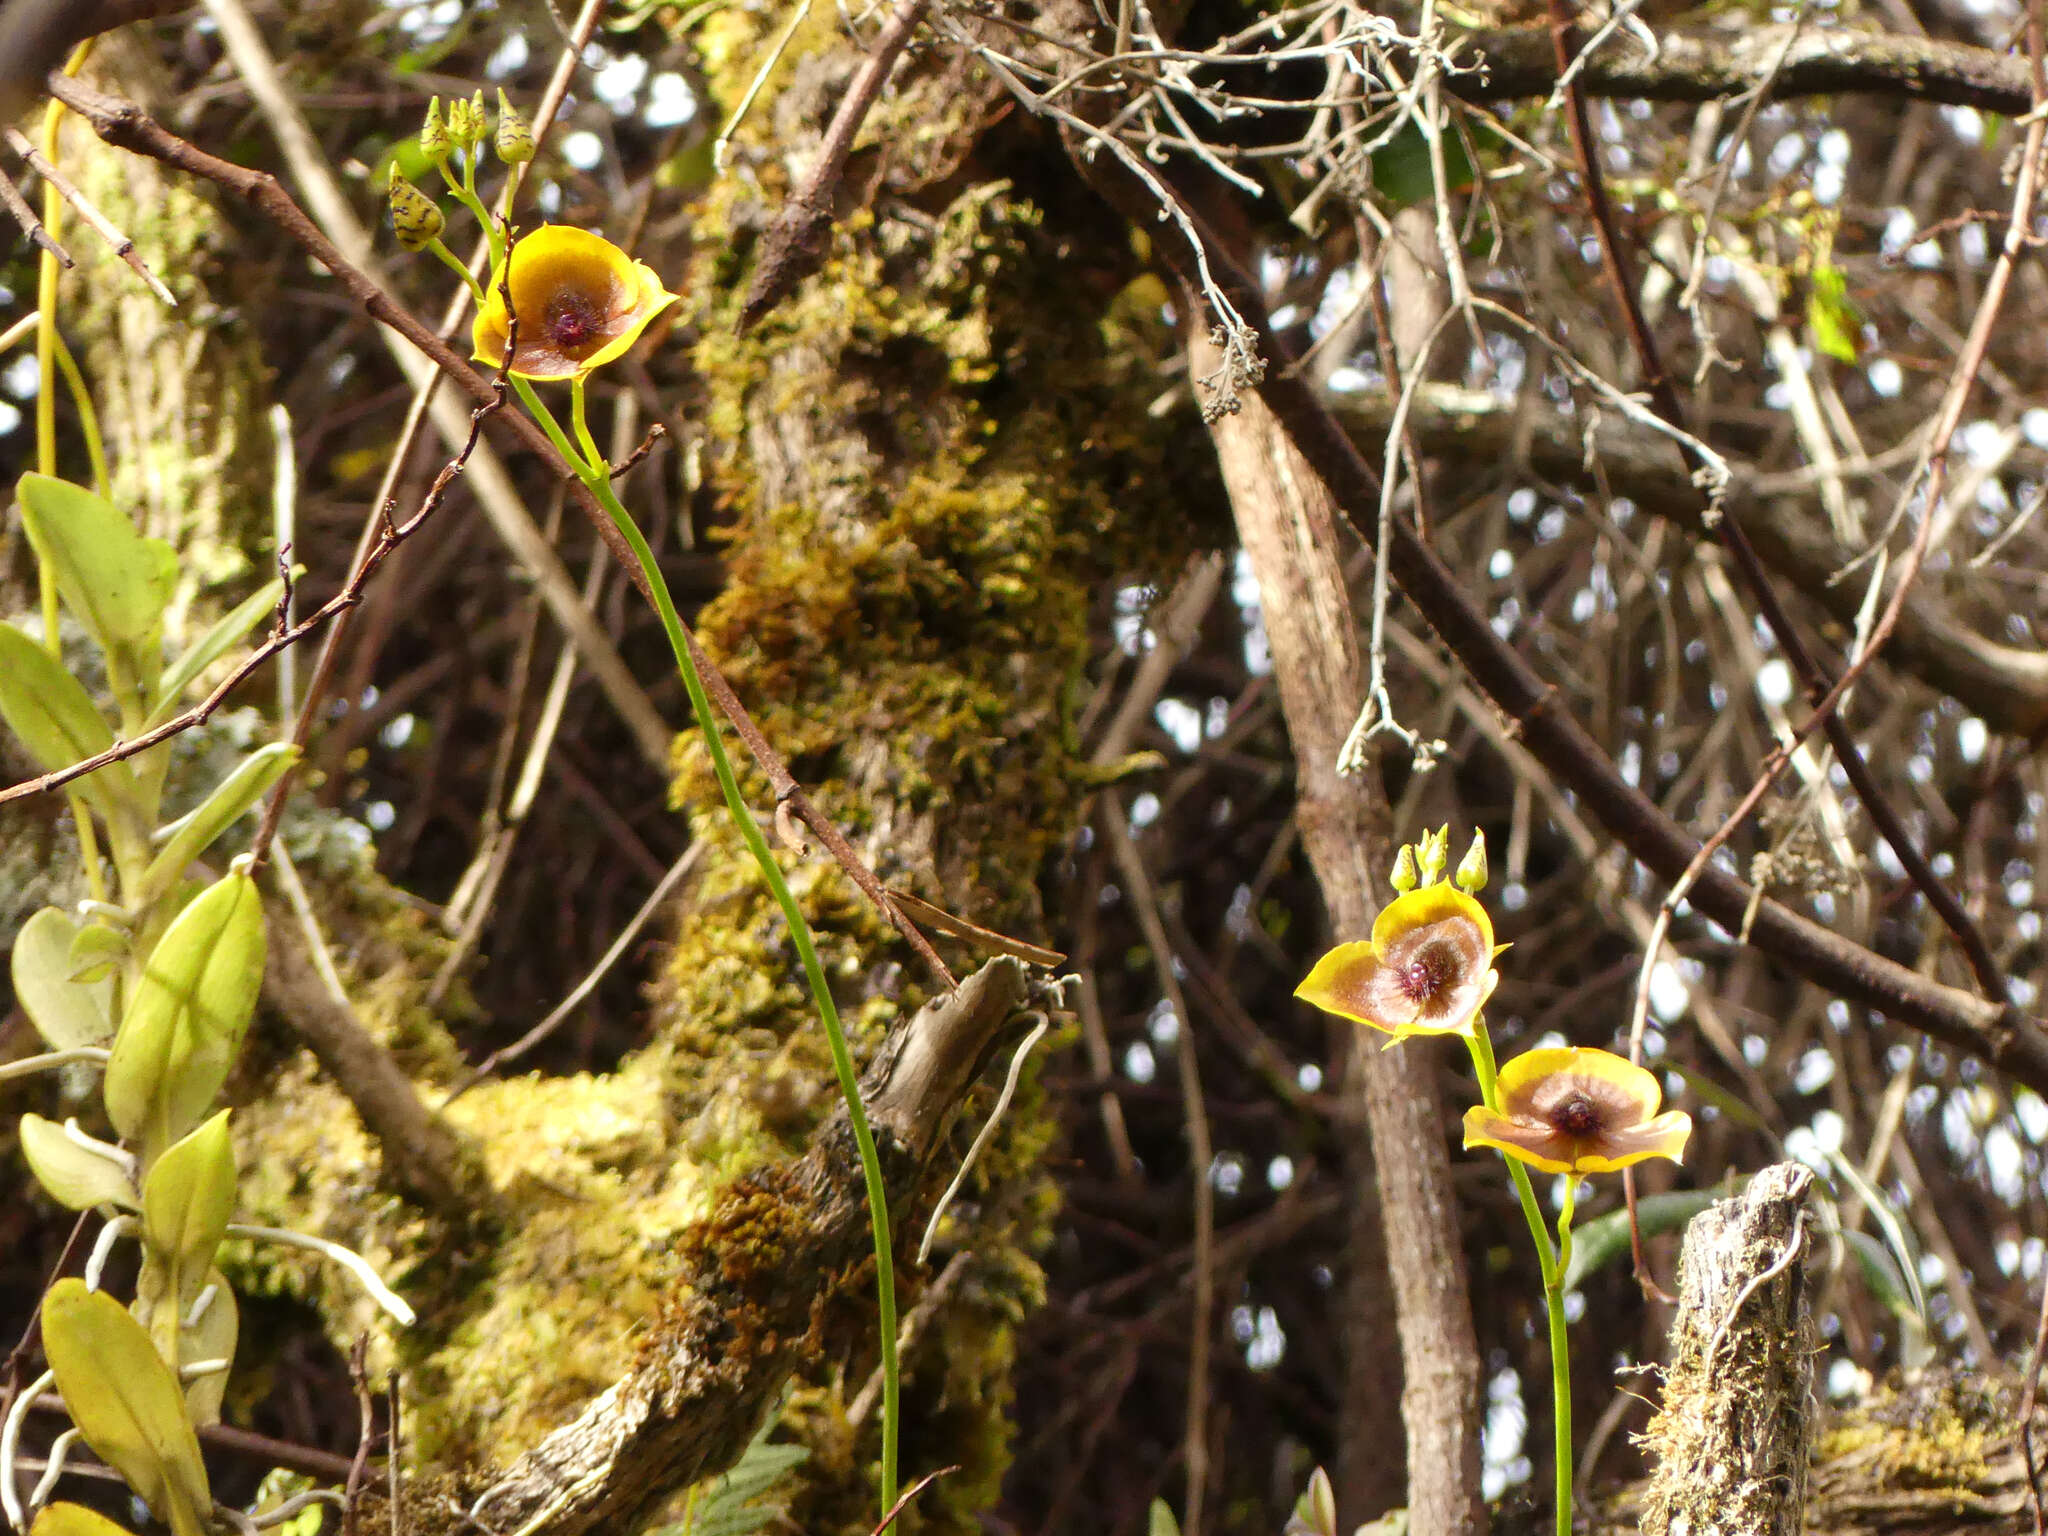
[[1714, 63], [2006, 686]]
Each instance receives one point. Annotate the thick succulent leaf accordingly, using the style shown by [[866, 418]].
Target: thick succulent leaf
[[213, 645], [68, 1014], [97, 951], [231, 799], [125, 1402], [50, 711], [211, 1338], [76, 1176], [74, 1520], [114, 580], [186, 1018], [187, 1198]]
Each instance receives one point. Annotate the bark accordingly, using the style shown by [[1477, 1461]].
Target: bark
[[1735, 1432], [1716, 63], [1288, 525]]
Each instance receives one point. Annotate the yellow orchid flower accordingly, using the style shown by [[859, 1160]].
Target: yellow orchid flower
[[1577, 1110], [581, 303], [1426, 970]]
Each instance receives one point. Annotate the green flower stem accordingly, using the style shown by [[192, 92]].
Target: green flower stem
[[596, 476], [1552, 1261], [464, 188], [458, 265]]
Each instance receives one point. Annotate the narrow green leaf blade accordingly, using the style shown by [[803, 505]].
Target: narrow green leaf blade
[[114, 580], [125, 1402], [231, 799], [67, 1013], [56, 720], [1605, 1238], [185, 1022]]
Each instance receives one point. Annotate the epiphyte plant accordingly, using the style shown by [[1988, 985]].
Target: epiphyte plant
[[153, 980]]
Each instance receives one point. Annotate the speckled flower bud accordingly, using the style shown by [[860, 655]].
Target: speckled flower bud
[[515, 134], [414, 215], [434, 140]]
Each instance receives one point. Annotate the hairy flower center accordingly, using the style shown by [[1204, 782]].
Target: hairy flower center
[[572, 321], [1425, 978], [1576, 1116]]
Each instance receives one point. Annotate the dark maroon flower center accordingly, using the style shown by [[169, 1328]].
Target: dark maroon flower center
[[1424, 978], [1576, 1116], [572, 321]]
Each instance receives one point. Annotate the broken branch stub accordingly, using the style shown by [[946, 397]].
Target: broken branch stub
[[1731, 1443]]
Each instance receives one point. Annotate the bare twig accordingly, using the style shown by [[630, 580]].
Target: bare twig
[[795, 244], [100, 224]]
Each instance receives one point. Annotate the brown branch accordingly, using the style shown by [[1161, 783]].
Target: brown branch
[[126, 126], [794, 247], [1716, 63], [2005, 686], [1615, 262], [89, 212]]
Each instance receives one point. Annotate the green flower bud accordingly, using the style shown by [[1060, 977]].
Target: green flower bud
[[460, 134], [515, 134], [1403, 878], [1433, 853], [479, 118], [414, 215], [434, 139], [1471, 876]]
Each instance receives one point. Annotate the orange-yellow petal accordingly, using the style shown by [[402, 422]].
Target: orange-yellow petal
[[1428, 905], [581, 301]]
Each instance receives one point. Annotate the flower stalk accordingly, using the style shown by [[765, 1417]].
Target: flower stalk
[[1428, 970]]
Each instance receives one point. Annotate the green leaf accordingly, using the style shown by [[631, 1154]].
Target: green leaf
[[1896, 1235], [1162, 1522], [97, 950], [187, 1198], [186, 1019], [213, 1337], [1834, 322], [1402, 174], [1605, 1238], [117, 582], [738, 1503], [66, 1013], [125, 1402], [74, 1520], [214, 644], [1315, 1512], [47, 708], [233, 798], [77, 1177]]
